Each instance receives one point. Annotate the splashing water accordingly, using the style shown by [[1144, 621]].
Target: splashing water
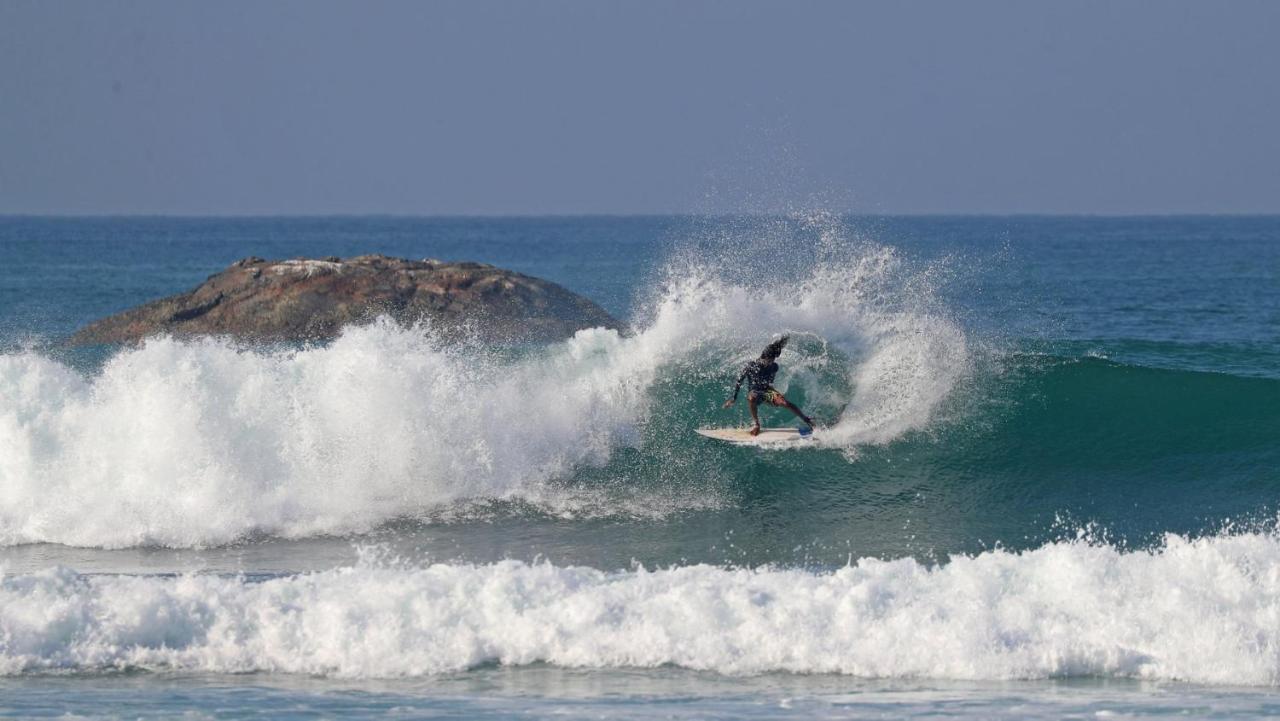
[[188, 443], [1193, 610]]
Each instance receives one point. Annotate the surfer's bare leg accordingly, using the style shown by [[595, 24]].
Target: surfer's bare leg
[[752, 402], [799, 413], [782, 402]]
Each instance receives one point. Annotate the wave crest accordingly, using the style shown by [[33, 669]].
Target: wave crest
[[1192, 610]]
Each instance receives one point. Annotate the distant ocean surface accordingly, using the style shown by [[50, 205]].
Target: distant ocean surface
[[1046, 483]]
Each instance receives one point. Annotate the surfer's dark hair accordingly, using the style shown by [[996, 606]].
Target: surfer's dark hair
[[774, 349]]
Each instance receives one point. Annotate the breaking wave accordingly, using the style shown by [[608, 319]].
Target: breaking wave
[[201, 442], [1205, 611]]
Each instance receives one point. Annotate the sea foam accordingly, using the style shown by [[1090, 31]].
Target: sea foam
[[1205, 611]]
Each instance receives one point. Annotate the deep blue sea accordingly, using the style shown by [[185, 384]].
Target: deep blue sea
[[1044, 485]]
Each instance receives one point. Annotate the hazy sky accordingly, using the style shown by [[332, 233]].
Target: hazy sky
[[610, 107]]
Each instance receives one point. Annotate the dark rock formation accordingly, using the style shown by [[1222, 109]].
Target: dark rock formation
[[302, 299]]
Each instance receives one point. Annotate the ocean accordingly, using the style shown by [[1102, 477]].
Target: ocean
[[1045, 483]]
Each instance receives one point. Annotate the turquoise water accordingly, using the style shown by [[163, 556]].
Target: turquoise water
[[1046, 480]]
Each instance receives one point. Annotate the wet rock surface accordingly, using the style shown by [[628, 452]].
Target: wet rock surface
[[312, 299]]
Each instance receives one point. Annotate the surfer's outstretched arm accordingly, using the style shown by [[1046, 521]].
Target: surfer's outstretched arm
[[737, 387]]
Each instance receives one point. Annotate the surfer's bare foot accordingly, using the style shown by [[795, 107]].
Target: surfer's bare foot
[[755, 431]]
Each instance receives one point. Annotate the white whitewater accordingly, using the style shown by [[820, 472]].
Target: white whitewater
[[1204, 611], [191, 443]]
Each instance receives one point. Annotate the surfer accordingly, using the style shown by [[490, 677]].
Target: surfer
[[759, 375]]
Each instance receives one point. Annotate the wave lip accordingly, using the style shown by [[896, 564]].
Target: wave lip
[[1205, 611]]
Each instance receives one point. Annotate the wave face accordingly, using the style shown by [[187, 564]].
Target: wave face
[[1204, 611], [191, 443]]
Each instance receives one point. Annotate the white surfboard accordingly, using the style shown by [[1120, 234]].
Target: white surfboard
[[743, 437]]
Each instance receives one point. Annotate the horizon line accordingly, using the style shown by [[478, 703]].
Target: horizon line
[[553, 216]]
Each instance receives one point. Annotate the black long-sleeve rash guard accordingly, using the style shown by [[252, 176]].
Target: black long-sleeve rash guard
[[759, 376]]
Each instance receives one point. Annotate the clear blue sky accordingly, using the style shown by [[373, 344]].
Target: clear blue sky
[[610, 107]]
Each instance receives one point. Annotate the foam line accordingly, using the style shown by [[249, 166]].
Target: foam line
[[1205, 611]]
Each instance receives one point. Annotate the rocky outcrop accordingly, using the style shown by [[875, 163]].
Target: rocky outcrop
[[310, 299]]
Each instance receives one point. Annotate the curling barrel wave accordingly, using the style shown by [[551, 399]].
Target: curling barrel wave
[[189, 443]]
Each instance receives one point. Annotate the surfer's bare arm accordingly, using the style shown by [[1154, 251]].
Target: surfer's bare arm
[[736, 387]]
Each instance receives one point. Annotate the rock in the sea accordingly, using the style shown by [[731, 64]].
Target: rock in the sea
[[304, 299]]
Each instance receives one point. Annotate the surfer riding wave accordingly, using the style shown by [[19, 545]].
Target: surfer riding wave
[[759, 375]]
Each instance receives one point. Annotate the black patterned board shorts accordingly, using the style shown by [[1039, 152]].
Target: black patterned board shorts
[[769, 395]]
